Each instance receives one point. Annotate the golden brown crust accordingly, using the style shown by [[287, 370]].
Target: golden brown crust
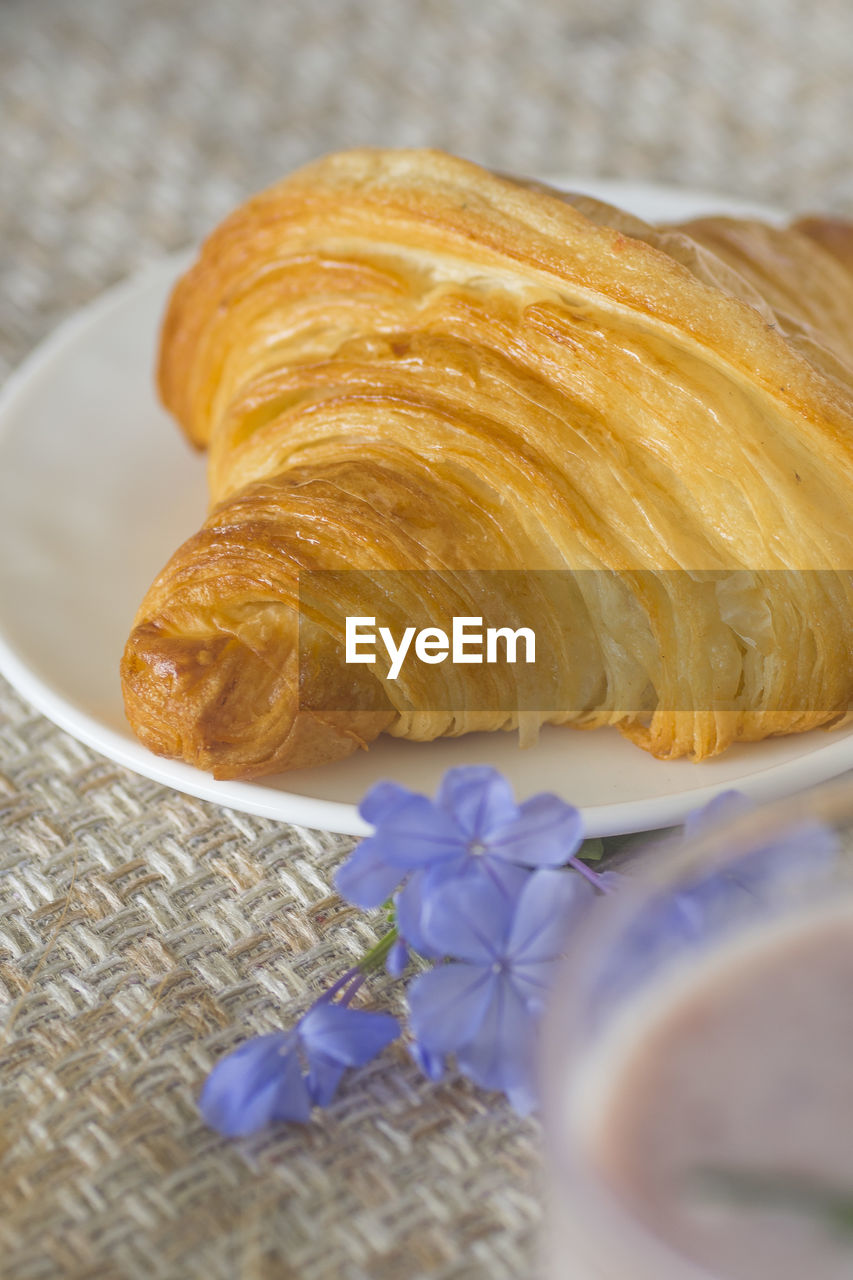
[[401, 361], [210, 701], [834, 235]]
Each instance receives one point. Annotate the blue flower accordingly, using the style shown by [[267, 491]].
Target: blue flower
[[281, 1076], [431, 1064], [397, 959], [258, 1083], [473, 828], [725, 807], [760, 868], [484, 1005]]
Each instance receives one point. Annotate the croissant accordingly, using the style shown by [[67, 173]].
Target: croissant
[[429, 391]]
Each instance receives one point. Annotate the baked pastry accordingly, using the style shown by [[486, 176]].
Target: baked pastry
[[399, 361]]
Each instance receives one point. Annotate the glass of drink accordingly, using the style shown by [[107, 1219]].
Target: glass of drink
[[699, 1050]]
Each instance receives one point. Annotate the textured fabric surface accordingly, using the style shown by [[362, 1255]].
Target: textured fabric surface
[[142, 933]]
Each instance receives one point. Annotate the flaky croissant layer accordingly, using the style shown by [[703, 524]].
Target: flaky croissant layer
[[399, 361]]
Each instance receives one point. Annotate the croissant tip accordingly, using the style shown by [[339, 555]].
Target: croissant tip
[[215, 703], [199, 698]]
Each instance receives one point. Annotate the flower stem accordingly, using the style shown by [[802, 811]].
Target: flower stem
[[376, 956], [348, 983], [594, 877]]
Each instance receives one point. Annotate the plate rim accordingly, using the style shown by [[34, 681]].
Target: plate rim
[[614, 818]]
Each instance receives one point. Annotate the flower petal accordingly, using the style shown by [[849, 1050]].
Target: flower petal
[[506, 876], [533, 983], [366, 879], [431, 1064], [417, 834], [725, 807], [543, 914], [292, 1100], [479, 798], [447, 1005], [523, 1098], [383, 799], [397, 959], [467, 917], [500, 1054], [801, 852], [546, 833], [256, 1084], [324, 1076], [347, 1036], [409, 904]]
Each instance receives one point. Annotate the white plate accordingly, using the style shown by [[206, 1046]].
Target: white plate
[[97, 488]]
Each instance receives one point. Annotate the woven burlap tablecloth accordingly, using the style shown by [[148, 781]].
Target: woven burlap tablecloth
[[144, 932]]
